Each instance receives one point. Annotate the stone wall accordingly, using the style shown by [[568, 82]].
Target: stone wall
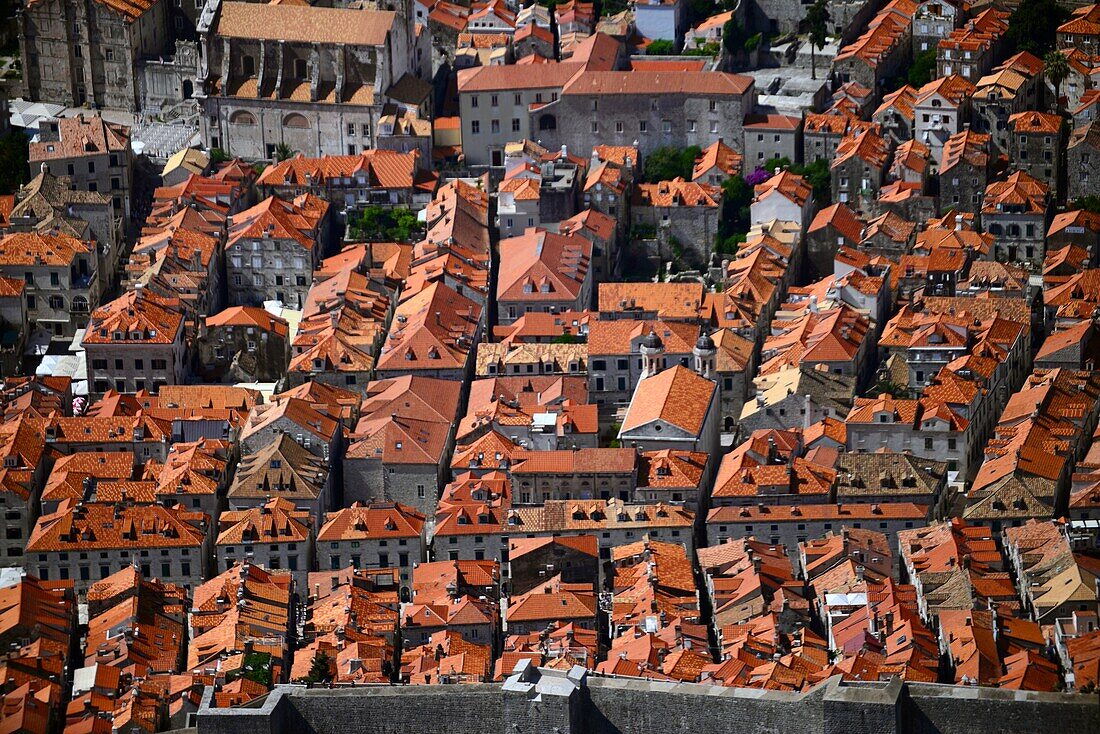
[[549, 701]]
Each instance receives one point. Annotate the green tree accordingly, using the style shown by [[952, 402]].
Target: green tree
[[14, 154], [733, 37], [1056, 68], [320, 668], [378, 224], [255, 666], [1088, 203], [885, 386], [660, 47], [283, 151], [217, 155], [817, 175], [665, 164], [1034, 25], [735, 215], [565, 339], [817, 23], [924, 66]]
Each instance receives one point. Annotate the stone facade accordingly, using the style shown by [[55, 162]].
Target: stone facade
[[1037, 154], [1082, 156], [636, 706], [65, 62], [650, 119], [415, 485], [103, 163], [318, 94], [263, 264]]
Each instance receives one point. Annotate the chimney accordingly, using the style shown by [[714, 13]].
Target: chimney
[[958, 222]]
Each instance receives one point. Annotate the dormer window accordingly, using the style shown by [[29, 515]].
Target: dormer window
[[118, 336]]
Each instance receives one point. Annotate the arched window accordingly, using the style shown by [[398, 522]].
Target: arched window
[[296, 121], [242, 117], [548, 122]]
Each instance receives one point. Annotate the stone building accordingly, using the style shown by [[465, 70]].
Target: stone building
[[543, 271], [60, 279], [1082, 153], [676, 408], [134, 343], [615, 354], [25, 471], [49, 203], [583, 474], [380, 535], [965, 169], [682, 217], [243, 344], [792, 525], [647, 109], [1015, 212], [970, 51], [935, 20], [1016, 86], [273, 248], [859, 168], [941, 109], [1036, 144], [87, 542], [94, 154], [311, 427], [367, 178], [312, 78], [275, 535], [403, 442], [87, 52], [771, 136], [285, 470]]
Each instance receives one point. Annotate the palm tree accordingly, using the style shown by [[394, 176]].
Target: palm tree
[[817, 22], [1056, 67], [282, 152]]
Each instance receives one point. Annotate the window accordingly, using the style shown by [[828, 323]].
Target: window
[[494, 126], [642, 126], [473, 101], [493, 100], [475, 126], [619, 127], [515, 124], [595, 126], [713, 127], [691, 126]]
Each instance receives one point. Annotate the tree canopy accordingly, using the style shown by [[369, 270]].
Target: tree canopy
[[665, 164], [14, 153], [923, 68], [1034, 25]]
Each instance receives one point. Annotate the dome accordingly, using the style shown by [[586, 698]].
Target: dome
[[653, 341], [705, 343]]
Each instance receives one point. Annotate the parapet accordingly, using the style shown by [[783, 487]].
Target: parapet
[[545, 701]]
